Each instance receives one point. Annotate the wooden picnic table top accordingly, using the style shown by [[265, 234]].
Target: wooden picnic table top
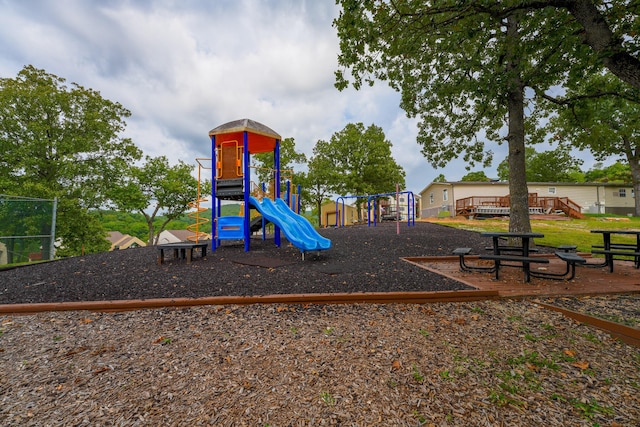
[[511, 234], [632, 232]]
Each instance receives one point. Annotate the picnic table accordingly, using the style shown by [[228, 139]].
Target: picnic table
[[518, 253], [610, 249], [182, 250], [521, 255]]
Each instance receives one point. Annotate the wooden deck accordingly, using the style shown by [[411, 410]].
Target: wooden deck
[[588, 281]]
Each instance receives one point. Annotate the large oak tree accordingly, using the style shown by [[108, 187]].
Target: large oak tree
[[601, 115], [464, 67], [157, 188], [64, 142], [357, 161]]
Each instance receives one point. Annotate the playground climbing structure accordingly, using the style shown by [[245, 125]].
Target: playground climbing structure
[[232, 144]]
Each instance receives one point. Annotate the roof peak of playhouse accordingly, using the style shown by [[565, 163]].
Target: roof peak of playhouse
[[245, 125]]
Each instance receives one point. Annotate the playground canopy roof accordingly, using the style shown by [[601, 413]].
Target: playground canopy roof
[[261, 138]]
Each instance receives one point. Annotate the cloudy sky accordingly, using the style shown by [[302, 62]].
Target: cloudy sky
[[183, 67]]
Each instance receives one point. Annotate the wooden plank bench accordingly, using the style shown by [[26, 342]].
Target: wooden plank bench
[[182, 250], [571, 258], [524, 263]]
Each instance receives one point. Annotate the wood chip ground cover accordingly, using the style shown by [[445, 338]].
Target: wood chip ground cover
[[459, 364]]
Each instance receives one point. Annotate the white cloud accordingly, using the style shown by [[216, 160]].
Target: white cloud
[[184, 67]]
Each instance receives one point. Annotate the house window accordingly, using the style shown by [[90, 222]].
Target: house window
[[551, 190], [622, 192], [445, 195], [430, 198]]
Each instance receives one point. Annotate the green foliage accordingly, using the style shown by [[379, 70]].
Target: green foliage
[[601, 115], [133, 224], [462, 68], [617, 172], [455, 64], [263, 162], [327, 398], [62, 141], [416, 374], [355, 161], [556, 165], [359, 161], [440, 178], [478, 176], [21, 220], [318, 183], [83, 235], [157, 188]]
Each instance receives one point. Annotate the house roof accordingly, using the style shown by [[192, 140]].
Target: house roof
[[182, 235], [115, 236], [123, 241]]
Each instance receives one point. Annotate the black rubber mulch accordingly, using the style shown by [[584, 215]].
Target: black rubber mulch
[[362, 259]]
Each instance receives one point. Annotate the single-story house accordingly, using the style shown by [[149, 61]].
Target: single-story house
[[439, 198], [123, 241], [329, 217], [176, 236]]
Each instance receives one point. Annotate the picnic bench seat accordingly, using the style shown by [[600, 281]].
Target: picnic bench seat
[[627, 246], [460, 253], [498, 259], [571, 258], [618, 251], [182, 250], [507, 248]]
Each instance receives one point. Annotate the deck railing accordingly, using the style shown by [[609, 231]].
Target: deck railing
[[470, 205]]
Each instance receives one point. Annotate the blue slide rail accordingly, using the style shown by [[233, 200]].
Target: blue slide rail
[[296, 228]]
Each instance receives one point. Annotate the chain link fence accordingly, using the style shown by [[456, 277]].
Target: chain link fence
[[27, 229]]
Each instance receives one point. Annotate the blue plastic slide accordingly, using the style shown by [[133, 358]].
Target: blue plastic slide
[[296, 228]]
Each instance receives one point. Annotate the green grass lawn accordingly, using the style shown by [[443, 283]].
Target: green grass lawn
[[556, 233]]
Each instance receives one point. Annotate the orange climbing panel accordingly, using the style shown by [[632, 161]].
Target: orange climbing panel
[[229, 160]]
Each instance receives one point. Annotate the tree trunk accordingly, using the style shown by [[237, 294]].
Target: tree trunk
[[634, 164], [319, 206], [519, 193], [150, 241]]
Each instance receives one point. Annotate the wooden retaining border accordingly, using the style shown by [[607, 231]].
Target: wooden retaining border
[[321, 298], [624, 333]]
